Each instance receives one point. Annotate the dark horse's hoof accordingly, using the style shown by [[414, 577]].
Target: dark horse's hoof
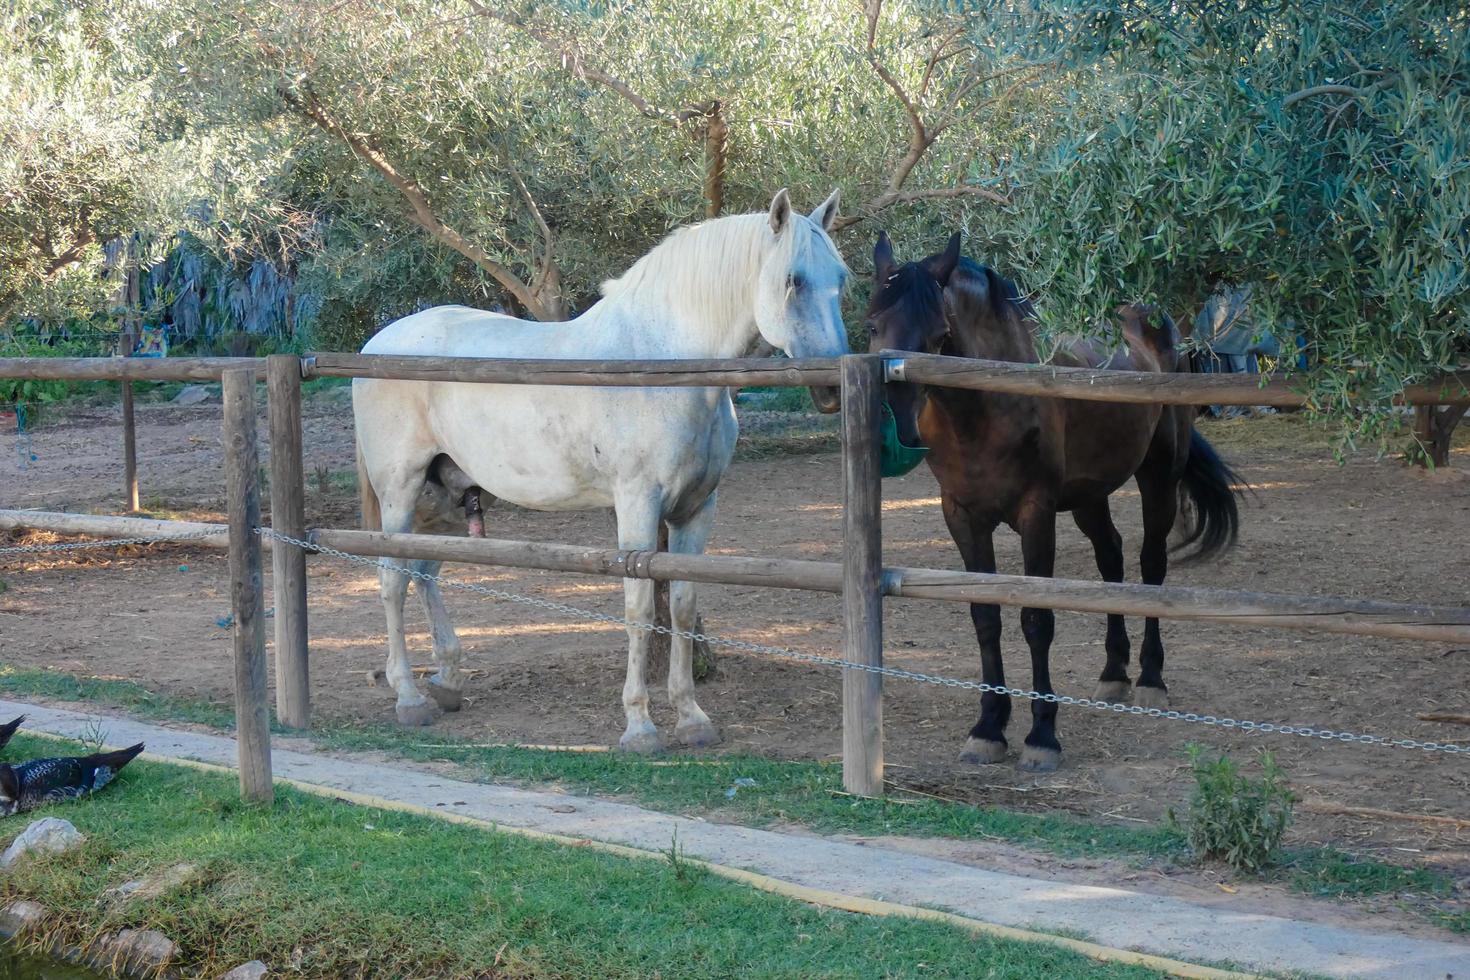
[[1113, 692], [980, 752], [445, 697], [1151, 697], [1036, 758]]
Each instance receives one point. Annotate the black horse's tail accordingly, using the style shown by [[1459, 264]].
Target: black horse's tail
[[1207, 501]]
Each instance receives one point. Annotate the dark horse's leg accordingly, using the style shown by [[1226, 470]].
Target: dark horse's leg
[[975, 538], [1158, 488], [1094, 520], [1038, 528]]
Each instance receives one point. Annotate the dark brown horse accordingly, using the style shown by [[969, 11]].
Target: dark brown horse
[[1020, 460]]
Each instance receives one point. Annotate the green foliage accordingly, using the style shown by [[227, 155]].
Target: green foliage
[[33, 393], [1234, 818]]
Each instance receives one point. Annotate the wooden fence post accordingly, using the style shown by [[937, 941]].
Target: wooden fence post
[[242, 483], [862, 579], [288, 563], [130, 429]]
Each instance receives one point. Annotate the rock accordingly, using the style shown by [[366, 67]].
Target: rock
[[253, 970], [49, 835], [192, 395], [154, 885], [140, 951], [20, 917]]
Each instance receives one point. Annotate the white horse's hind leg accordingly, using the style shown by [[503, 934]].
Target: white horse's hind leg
[[447, 685], [412, 708], [638, 531], [694, 727]]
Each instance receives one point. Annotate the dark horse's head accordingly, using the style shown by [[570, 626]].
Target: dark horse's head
[[944, 304]]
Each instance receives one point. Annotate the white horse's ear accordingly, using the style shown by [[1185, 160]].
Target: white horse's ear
[[826, 212], [780, 211]]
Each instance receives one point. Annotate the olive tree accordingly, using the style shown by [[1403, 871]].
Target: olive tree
[[1317, 150], [81, 159]]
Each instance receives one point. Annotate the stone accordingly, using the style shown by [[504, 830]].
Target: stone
[[49, 835], [253, 970], [154, 885], [19, 917], [192, 395], [141, 951]]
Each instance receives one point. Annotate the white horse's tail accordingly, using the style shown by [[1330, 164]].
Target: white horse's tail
[[372, 510]]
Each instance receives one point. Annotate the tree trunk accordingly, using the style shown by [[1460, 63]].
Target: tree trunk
[[716, 136], [1434, 430], [658, 654]]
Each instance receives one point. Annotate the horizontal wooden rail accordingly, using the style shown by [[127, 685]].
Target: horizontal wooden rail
[[1352, 616], [730, 372], [126, 368], [1094, 384], [102, 525]]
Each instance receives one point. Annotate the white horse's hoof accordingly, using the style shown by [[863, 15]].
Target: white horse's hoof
[[645, 741], [1113, 692], [697, 735], [1035, 758], [416, 715], [980, 752], [446, 697], [1150, 697]]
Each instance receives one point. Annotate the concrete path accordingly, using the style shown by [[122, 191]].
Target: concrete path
[[1111, 916]]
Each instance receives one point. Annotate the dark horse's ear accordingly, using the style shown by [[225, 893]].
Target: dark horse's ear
[[942, 266], [883, 264]]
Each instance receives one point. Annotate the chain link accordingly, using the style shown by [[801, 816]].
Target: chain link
[[34, 549], [787, 653]]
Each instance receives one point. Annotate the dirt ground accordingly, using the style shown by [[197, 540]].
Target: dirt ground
[[1370, 528]]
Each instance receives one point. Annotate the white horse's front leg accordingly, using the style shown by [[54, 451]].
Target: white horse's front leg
[[638, 531], [446, 687], [412, 708], [694, 727]]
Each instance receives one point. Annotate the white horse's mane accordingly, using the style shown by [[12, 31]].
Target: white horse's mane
[[709, 269]]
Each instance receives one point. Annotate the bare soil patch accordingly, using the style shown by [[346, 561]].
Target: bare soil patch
[[1370, 528]]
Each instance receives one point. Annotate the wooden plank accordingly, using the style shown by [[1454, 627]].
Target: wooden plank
[[1136, 387], [780, 573], [1357, 617], [731, 372], [105, 526], [127, 368], [862, 575], [288, 564], [242, 488], [1326, 614]]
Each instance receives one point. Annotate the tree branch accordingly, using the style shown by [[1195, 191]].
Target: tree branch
[[1336, 89], [82, 236], [546, 286], [574, 60], [310, 107]]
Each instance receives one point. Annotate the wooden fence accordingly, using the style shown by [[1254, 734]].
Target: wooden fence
[[860, 577]]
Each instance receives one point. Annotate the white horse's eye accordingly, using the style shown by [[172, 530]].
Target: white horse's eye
[[795, 282]]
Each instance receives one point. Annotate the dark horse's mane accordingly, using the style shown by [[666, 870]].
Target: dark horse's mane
[[1004, 296]]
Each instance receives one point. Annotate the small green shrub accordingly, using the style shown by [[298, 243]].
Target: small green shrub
[[1234, 818]]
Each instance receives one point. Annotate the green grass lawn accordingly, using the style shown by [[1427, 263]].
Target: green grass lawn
[[320, 888], [805, 793]]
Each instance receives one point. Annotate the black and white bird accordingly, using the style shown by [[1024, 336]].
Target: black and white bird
[[8, 731], [29, 785]]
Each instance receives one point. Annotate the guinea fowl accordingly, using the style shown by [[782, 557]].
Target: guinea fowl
[[7, 731], [30, 784]]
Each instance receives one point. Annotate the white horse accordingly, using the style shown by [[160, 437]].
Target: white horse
[[712, 290]]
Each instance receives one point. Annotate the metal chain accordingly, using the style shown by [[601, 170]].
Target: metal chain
[[787, 653], [32, 549]]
